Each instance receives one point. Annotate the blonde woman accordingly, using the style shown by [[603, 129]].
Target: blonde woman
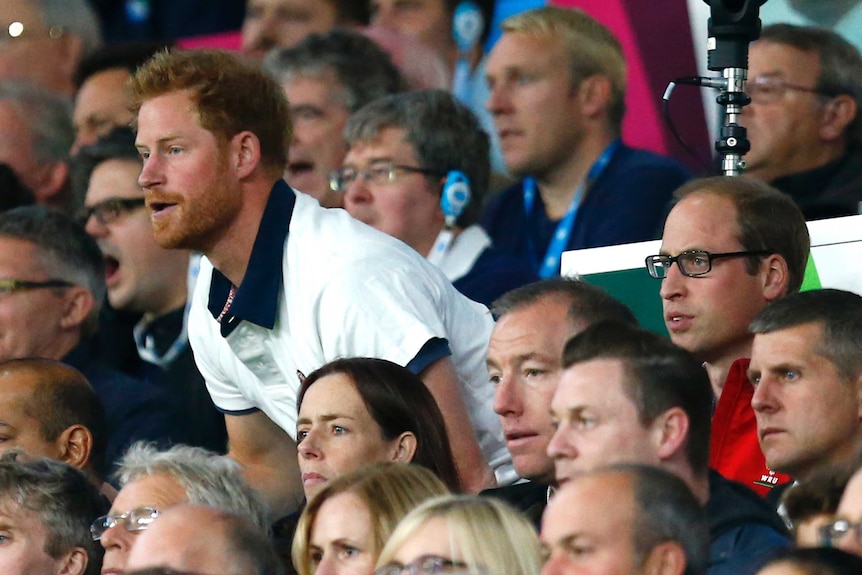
[[467, 534], [344, 526]]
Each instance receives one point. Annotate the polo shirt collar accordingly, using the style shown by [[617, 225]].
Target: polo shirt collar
[[256, 299]]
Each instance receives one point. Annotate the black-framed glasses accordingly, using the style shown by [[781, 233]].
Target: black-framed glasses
[[832, 534], [768, 89], [376, 173], [692, 263], [425, 565], [11, 286], [136, 519], [108, 211]]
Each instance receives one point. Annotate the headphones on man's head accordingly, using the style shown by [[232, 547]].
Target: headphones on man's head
[[468, 24], [455, 196]]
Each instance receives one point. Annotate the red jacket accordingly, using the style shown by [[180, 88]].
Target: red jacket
[[734, 450]]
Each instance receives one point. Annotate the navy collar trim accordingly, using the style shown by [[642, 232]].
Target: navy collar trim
[[256, 298]]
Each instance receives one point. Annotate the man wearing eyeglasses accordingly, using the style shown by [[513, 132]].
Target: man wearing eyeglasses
[[146, 280], [152, 481], [730, 246], [410, 155], [804, 121], [846, 531]]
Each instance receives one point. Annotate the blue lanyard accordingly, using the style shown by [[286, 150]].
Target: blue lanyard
[[550, 265]]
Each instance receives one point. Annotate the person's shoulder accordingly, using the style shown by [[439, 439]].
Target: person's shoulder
[[511, 194], [520, 495], [493, 274], [530, 498], [732, 505], [503, 209], [630, 159], [317, 232]]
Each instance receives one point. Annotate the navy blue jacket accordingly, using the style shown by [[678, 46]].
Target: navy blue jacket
[[744, 530], [627, 203]]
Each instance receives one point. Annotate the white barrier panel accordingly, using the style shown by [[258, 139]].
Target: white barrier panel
[[836, 262]]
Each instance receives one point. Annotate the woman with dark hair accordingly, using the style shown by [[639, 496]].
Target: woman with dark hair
[[357, 411]]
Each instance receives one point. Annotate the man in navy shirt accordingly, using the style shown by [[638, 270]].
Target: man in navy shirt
[[557, 80]]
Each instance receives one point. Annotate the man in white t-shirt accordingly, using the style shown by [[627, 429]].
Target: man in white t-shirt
[[285, 285]]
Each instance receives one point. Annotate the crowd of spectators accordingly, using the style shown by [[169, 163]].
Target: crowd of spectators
[[295, 305]]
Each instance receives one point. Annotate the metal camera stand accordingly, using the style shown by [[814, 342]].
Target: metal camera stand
[[733, 24]]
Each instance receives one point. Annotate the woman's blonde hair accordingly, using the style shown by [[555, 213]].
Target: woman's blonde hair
[[490, 536], [389, 490]]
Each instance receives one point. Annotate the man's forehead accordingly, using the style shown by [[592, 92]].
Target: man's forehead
[[790, 340], [14, 514], [158, 490], [321, 77], [549, 311], [18, 383], [788, 56], [25, 11], [383, 144], [702, 220], [610, 371]]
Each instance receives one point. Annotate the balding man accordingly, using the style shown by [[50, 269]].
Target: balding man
[[634, 518], [48, 408], [206, 541]]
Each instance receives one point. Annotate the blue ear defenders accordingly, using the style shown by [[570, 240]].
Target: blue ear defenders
[[455, 196], [468, 23]]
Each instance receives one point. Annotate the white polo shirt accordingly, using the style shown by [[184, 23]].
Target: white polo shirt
[[343, 290]]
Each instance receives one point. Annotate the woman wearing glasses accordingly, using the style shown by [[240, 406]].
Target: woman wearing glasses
[[344, 526], [464, 534]]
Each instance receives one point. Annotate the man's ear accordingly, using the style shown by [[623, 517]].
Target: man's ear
[[71, 49], [670, 433], [666, 558], [75, 445], [245, 153], [837, 114], [405, 448], [51, 182], [594, 95], [858, 383], [73, 563], [776, 276], [79, 304]]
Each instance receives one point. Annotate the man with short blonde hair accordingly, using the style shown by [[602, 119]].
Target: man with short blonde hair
[[559, 128]]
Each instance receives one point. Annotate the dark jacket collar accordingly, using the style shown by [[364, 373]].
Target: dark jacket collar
[[256, 298]]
